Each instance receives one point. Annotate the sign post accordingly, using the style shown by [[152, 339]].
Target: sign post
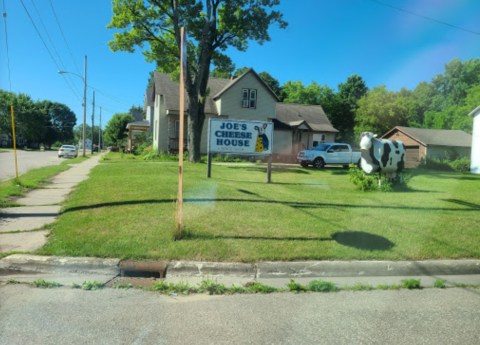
[[183, 68], [240, 137]]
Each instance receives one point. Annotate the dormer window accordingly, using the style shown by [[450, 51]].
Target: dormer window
[[249, 98]]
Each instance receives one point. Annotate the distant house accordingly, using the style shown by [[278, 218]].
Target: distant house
[[422, 143], [475, 160], [244, 98]]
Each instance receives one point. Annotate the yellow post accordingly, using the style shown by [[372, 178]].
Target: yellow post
[[14, 142], [183, 61]]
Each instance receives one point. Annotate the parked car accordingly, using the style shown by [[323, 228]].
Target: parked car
[[67, 151], [328, 154]]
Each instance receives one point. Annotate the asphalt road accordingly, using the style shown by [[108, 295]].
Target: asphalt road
[[27, 160], [31, 315]]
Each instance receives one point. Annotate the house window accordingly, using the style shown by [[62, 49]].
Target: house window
[[249, 98]]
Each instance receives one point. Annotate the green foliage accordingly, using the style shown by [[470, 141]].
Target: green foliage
[[91, 285], [361, 287], [293, 286], [370, 182], [255, 287], [35, 121], [212, 287], [322, 286], [411, 284], [230, 23], [440, 284], [461, 164], [116, 130], [43, 284]]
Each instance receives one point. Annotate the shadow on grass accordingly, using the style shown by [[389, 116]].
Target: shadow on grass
[[463, 203], [362, 240], [190, 235], [294, 204]]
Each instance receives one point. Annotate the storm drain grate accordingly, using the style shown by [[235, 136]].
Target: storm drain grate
[[143, 269]]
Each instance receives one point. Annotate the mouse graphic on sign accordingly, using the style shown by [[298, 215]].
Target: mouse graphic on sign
[[262, 143]]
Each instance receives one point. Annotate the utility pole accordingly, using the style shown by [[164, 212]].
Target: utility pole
[[100, 132], [93, 116]]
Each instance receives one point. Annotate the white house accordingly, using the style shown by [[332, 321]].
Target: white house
[[244, 98], [475, 160]]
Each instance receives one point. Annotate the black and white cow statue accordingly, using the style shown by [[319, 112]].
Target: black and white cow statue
[[381, 155]]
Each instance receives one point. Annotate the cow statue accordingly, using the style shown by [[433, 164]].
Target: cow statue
[[381, 155]]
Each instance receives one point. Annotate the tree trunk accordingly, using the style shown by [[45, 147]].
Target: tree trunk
[[196, 118]]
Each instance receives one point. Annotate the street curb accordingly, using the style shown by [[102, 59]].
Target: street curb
[[203, 268], [54, 264], [261, 270], [366, 268]]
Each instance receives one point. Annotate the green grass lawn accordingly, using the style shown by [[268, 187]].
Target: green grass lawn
[[127, 210], [32, 179]]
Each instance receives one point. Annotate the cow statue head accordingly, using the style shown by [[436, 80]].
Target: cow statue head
[[366, 140]]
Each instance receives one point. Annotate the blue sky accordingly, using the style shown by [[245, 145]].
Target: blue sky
[[326, 41]]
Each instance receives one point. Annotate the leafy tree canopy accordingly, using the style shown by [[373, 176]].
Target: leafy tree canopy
[[211, 25]]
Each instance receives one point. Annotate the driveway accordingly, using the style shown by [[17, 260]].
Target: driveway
[[27, 160]]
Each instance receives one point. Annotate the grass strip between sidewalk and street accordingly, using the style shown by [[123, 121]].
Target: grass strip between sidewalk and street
[[32, 179], [127, 210]]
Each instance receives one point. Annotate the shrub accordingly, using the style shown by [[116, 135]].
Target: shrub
[[460, 164], [367, 183]]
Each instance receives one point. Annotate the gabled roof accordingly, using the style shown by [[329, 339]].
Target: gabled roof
[[164, 85], [435, 137], [236, 80], [294, 115], [138, 124]]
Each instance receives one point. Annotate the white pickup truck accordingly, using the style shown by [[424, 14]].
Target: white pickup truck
[[329, 154]]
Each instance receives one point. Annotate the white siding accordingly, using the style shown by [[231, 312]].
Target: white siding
[[160, 139], [230, 103], [475, 155]]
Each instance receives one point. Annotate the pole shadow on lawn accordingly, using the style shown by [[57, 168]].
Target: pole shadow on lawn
[[356, 239]]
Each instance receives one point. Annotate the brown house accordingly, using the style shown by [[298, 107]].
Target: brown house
[[422, 143]]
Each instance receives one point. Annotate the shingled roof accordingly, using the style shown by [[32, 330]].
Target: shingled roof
[[435, 137], [294, 115], [165, 86]]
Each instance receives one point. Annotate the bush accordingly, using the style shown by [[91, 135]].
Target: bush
[[461, 164], [366, 182]]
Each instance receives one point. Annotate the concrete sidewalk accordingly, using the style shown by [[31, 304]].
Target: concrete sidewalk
[[21, 227]]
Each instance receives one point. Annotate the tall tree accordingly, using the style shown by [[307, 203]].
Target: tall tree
[[60, 121], [116, 129], [349, 93], [380, 110], [212, 25]]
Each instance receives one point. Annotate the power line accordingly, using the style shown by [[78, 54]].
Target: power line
[[425, 17], [6, 43], [46, 47], [63, 36]]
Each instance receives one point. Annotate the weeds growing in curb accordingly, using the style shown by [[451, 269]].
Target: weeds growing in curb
[[93, 285], [293, 286], [411, 284], [440, 284], [322, 286], [43, 284]]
